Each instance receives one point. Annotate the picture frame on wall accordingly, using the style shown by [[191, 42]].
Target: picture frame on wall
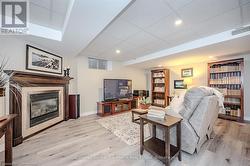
[[43, 61], [179, 84], [187, 72]]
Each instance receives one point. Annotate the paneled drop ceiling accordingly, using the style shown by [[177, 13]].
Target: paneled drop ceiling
[[49, 13], [147, 26]]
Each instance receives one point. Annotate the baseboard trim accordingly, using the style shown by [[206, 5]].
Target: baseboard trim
[[247, 119], [87, 113]]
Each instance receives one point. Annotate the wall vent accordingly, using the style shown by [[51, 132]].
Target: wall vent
[[241, 30]]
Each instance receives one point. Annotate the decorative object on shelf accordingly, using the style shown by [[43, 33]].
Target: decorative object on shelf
[[160, 87], [179, 84], [187, 72], [66, 71], [4, 79], [227, 77], [145, 103], [43, 61]]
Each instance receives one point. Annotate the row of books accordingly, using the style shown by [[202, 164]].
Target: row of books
[[223, 75], [225, 67], [159, 89], [232, 100], [233, 111], [159, 80], [160, 74], [159, 101], [228, 89], [226, 80]]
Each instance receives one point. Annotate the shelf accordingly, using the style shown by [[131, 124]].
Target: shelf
[[158, 77], [225, 72], [226, 84], [157, 147], [227, 103], [158, 92], [158, 105], [232, 96], [159, 89], [235, 83], [229, 117]]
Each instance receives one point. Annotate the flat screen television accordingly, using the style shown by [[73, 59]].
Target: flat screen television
[[115, 89]]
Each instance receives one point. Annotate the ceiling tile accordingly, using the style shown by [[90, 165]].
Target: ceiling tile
[[177, 4], [224, 22], [60, 6], [42, 3], [122, 29], [146, 12], [200, 10], [39, 15], [246, 14], [141, 39], [164, 27], [103, 43], [56, 21]]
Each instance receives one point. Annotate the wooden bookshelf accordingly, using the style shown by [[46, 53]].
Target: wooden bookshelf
[[227, 76], [160, 87]]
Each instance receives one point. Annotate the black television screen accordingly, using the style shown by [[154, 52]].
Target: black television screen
[[117, 89]]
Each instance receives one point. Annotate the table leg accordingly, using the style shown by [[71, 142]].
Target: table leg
[[8, 145], [167, 146], [154, 130], [178, 137], [133, 118], [141, 136]]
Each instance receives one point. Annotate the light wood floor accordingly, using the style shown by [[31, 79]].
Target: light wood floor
[[83, 142]]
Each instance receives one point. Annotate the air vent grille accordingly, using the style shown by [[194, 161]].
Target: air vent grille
[[241, 30]]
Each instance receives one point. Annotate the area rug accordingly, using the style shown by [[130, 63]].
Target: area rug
[[123, 127]]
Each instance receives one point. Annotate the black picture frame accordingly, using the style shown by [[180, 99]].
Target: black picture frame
[[188, 72], [179, 84], [49, 63]]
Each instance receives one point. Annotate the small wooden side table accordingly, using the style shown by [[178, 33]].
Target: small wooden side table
[[138, 112], [6, 128], [162, 150]]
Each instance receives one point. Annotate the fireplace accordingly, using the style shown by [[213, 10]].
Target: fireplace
[[48, 91], [43, 107]]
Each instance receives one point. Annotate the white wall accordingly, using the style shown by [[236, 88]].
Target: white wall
[[14, 50], [199, 75], [90, 82]]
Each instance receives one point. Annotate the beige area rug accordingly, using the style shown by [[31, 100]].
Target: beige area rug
[[123, 127]]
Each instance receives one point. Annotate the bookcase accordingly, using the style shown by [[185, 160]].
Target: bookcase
[[160, 87], [227, 76]]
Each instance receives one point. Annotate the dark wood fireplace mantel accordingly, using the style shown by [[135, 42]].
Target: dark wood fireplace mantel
[[30, 79]]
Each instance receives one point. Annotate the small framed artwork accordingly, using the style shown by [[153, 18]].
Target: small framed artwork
[[43, 61], [179, 84], [187, 72]]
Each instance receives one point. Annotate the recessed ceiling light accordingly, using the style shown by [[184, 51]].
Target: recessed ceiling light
[[159, 65], [178, 22], [211, 57], [118, 51]]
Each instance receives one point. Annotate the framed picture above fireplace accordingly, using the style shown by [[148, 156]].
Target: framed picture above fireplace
[[43, 61]]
